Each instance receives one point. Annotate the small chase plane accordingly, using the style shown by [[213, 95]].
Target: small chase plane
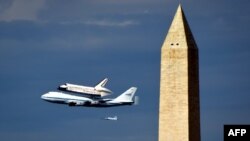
[[111, 118], [98, 91], [126, 98]]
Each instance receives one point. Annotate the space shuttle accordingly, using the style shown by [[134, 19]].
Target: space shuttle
[[97, 91]]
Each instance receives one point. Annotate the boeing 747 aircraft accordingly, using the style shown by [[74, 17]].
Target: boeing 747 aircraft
[[125, 98], [98, 91]]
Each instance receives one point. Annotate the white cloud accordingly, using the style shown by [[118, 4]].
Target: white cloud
[[22, 10], [104, 23], [74, 12], [111, 23]]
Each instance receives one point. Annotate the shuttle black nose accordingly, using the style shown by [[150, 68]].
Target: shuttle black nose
[[62, 87]]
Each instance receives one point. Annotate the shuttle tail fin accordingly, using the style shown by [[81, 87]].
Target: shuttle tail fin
[[102, 83], [100, 87]]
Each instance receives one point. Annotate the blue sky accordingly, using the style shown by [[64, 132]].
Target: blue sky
[[44, 43]]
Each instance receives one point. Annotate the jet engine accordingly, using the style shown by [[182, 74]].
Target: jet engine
[[76, 103]]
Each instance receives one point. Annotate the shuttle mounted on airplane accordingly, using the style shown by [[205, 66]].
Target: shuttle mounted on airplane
[[126, 98], [98, 91]]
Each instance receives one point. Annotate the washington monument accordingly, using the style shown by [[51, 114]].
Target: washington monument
[[179, 112]]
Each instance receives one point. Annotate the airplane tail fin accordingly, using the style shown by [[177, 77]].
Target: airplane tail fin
[[127, 96], [102, 83]]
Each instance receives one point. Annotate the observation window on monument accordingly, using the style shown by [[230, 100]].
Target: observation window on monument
[[172, 44], [177, 44]]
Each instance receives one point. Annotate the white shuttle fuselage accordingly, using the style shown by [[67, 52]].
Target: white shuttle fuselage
[[99, 90]]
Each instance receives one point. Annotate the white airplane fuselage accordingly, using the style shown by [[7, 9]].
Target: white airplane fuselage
[[74, 100], [62, 98]]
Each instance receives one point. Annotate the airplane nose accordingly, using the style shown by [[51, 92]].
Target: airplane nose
[[43, 96]]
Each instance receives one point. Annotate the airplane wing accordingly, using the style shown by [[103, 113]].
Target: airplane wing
[[78, 102]]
